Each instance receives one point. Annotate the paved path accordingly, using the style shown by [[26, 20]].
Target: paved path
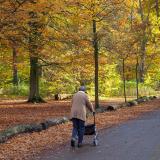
[[133, 140]]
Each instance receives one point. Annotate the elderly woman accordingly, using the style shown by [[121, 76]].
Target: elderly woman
[[80, 102]]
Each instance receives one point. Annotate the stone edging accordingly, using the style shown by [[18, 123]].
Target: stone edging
[[30, 128], [128, 104]]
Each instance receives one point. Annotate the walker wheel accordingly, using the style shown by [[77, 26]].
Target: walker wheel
[[95, 142]]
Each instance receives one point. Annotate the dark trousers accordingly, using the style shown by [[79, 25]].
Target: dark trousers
[[78, 129]]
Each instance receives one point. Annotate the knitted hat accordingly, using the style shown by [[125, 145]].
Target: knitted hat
[[82, 88]]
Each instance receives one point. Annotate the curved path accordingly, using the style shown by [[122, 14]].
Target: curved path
[[133, 140]]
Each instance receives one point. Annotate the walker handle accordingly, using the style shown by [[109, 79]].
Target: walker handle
[[94, 114]]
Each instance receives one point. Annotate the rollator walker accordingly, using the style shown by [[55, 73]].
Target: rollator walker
[[90, 129]]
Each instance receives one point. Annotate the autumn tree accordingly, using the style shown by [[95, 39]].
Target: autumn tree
[[97, 14], [11, 30]]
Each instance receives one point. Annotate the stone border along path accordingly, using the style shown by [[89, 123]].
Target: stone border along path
[[30, 128]]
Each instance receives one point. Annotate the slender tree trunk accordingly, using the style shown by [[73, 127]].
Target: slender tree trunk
[[143, 45], [131, 14], [157, 7], [34, 81], [137, 82], [95, 45], [143, 58], [124, 80], [34, 95], [15, 70]]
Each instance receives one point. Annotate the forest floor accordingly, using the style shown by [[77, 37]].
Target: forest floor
[[29, 146], [14, 112]]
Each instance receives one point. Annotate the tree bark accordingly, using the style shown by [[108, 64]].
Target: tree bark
[[143, 58], [157, 7], [137, 82], [124, 80], [15, 70], [143, 45], [34, 95], [131, 14], [95, 45]]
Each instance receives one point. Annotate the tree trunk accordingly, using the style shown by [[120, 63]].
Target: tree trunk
[[95, 45], [34, 81], [143, 58], [137, 82], [131, 14], [15, 71], [34, 95], [124, 80], [157, 8], [143, 45]]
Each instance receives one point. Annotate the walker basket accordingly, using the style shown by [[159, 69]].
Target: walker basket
[[90, 129]]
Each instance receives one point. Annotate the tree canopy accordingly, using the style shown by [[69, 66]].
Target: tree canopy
[[55, 45]]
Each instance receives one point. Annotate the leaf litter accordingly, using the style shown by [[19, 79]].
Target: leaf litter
[[29, 146]]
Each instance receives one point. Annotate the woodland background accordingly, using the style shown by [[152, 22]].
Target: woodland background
[[49, 47]]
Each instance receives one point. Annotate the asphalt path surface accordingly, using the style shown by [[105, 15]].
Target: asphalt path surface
[[137, 139]]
